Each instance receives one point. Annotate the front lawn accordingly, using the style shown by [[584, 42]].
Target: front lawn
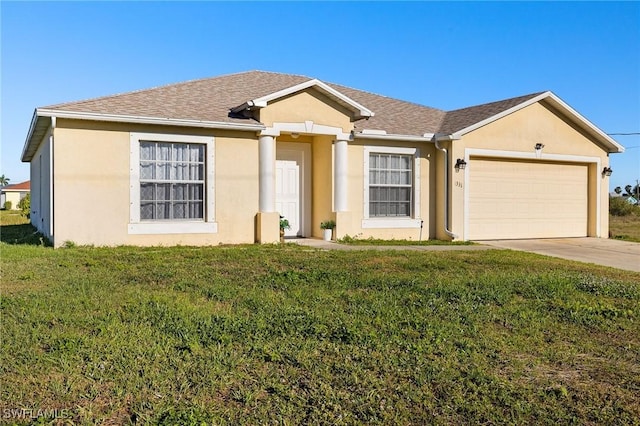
[[288, 335]]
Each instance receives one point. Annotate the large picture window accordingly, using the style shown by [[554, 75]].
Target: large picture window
[[172, 184], [172, 178], [390, 185]]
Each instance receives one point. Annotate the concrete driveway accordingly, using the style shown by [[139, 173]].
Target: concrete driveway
[[601, 251]]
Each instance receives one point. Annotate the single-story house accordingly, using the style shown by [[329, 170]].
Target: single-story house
[[219, 160], [14, 193]]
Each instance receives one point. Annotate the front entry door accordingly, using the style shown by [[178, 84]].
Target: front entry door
[[288, 176]]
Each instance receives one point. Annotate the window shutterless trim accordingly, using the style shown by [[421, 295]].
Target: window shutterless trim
[[179, 226], [393, 221], [168, 167]]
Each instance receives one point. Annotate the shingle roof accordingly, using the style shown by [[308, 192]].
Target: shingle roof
[[462, 118], [22, 186], [210, 99], [207, 99]]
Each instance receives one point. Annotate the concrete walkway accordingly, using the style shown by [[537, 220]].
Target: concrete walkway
[[601, 251]]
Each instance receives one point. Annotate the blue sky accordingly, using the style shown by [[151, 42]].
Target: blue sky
[[445, 55]]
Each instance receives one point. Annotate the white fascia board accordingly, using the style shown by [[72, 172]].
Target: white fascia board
[[148, 120], [460, 133], [392, 137], [373, 132], [442, 137], [264, 100], [32, 128]]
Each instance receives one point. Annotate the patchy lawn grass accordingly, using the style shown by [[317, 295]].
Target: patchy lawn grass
[[625, 227], [287, 335], [15, 229], [355, 241]]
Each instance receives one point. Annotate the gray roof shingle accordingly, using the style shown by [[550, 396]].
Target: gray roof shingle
[[210, 99], [462, 118]]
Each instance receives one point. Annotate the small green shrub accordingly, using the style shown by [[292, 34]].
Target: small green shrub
[[8, 205], [25, 205], [329, 224], [284, 223], [619, 206]]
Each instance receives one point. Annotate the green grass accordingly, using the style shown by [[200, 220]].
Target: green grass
[[354, 241], [286, 335], [15, 229], [625, 227]]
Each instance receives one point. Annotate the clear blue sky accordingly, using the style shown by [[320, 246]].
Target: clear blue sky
[[445, 55]]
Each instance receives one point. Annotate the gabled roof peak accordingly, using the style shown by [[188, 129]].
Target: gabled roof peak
[[261, 102]]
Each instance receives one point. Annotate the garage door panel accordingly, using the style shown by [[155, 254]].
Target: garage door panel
[[509, 199]]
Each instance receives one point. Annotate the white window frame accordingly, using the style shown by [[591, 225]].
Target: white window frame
[[392, 222], [196, 226]]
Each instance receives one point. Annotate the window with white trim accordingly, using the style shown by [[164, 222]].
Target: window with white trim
[[172, 181], [171, 184], [390, 185]]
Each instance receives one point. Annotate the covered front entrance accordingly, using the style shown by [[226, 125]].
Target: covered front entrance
[[302, 177]]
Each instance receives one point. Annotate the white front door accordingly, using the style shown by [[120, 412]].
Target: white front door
[[288, 168]]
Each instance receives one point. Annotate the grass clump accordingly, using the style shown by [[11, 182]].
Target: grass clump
[[356, 241]]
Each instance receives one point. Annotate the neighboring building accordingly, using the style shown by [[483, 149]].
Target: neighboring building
[[218, 160], [14, 193]]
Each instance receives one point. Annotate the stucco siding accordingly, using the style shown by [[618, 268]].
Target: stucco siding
[[322, 183], [13, 197], [92, 186], [308, 105], [356, 212]]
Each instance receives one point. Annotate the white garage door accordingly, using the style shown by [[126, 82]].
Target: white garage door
[[515, 199]]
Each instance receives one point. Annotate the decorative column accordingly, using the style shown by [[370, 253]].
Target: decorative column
[[267, 167], [267, 218], [340, 175]]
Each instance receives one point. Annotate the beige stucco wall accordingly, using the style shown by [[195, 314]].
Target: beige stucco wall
[[322, 183], [14, 197], [350, 222], [92, 182], [309, 105], [520, 131]]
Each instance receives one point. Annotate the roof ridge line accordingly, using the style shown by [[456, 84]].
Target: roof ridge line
[[386, 97]]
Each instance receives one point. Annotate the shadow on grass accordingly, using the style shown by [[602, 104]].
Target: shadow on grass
[[24, 234]]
